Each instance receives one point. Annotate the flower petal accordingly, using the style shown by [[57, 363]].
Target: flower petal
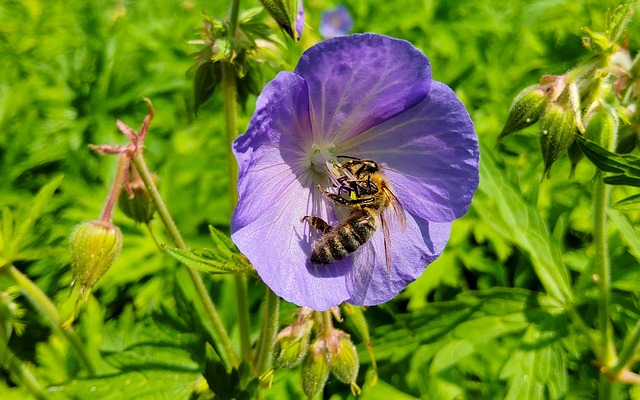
[[276, 193], [357, 81], [412, 250], [429, 154]]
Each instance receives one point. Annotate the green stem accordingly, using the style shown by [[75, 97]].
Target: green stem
[[233, 17], [43, 304], [230, 93], [23, 375], [221, 338], [270, 322], [603, 272]]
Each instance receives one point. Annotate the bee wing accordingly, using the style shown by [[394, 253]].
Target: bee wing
[[398, 217], [387, 243], [398, 211]]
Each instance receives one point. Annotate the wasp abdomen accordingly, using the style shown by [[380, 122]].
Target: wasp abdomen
[[344, 239]]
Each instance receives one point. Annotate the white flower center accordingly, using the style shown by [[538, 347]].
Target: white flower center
[[323, 158]]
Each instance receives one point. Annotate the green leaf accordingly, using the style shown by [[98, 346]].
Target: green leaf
[[142, 384], [223, 258], [27, 218], [207, 79], [630, 203], [627, 231], [211, 261], [626, 167], [537, 374], [525, 226]]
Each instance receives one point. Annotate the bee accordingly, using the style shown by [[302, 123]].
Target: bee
[[364, 190]]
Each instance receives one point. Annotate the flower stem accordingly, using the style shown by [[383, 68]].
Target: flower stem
[[603, 272], [23, 375], [233, 17], [230, 93], [107, 212], [221, 338], [43, 304], [270, 322]]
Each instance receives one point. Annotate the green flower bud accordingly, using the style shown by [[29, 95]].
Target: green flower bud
[[343, 358], [557, 132], [289, 14], [140, 207], [315, 369], [94, 248], [526, 109], [292, 344], [601, 126]]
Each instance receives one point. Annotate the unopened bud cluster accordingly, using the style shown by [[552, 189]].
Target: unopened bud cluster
[[330, 351], [596, 99]]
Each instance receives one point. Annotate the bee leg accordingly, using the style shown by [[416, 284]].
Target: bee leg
[[317, 223], [333, 197]]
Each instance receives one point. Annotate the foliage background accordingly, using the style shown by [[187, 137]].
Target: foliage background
[[70, 69]]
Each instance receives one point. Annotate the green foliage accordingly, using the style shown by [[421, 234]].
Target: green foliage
[[508, 311]]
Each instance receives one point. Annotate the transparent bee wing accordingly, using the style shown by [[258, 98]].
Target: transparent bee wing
[[387, 243], [393, 215]]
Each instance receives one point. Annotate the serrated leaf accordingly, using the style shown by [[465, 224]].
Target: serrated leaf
[[536, 374], [207, 79], [211, 261], [626, 167], [142, 384], [526, 227], [630, 203]]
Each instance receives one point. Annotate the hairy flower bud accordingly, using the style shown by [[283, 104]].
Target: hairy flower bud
[[94, 248], [315, 369], [526, 109], [601, 126], [343, 358], [138, 207], [289, 14], [292, 344], [557, 132]]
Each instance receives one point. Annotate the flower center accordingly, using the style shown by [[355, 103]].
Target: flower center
[[322, 157]]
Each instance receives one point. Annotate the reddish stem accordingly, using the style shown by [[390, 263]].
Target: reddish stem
[[107, 212]]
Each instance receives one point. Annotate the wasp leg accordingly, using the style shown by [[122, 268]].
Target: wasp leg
[[317, 223]]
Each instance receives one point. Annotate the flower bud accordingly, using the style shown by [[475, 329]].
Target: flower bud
[[94, 248], [138, 207], [343, 358], [601, 126], [292, 344], [289, 14], [526, 109], [315, 369], [557, 132]]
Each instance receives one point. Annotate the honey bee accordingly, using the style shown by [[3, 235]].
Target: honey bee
[[365, 191]]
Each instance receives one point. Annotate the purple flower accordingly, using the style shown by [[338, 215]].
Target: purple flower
[[335, 22], [364, 96]]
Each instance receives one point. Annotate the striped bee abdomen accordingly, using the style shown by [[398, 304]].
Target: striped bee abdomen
[[345, 238]]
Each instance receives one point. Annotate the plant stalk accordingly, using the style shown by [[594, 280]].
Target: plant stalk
[[43, 304], [23, 375], [221, 337], [270, 322], [603, 273], [230, 94]]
